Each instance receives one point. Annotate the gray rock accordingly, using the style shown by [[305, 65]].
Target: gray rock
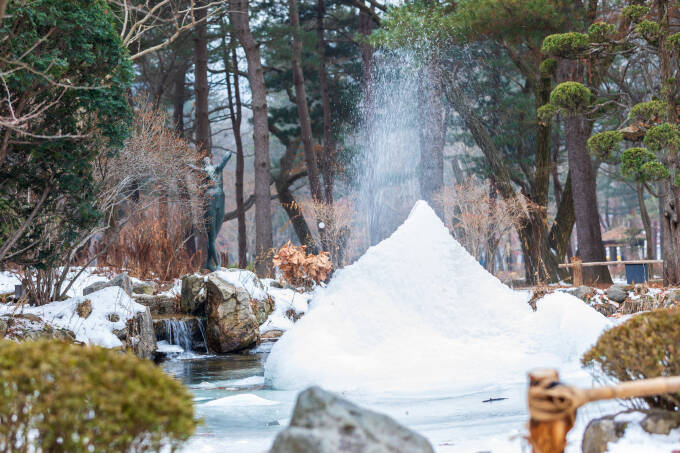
[[600, 432], [158, 304], [617, 293], [120, 280], [231, 323], [138, 335], [142, 287], [193, 295], [325, 423], [582, 291], [660, 422]]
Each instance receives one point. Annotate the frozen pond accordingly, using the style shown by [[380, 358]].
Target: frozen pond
[[242, 415]]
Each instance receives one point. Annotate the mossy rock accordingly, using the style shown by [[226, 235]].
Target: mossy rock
[[85, 398], [645, 346]]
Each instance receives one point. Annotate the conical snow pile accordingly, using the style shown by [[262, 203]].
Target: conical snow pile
[[418, 313]]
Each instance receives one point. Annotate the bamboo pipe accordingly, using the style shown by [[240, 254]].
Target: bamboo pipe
[[553, 405]]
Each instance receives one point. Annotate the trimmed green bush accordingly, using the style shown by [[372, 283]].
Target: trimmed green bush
[[632, 161], [571, 97], [661, 137], [646, 112], [649, 30], [59, 397], [645, 346], [546, 112], [601, 32], [673, 42], [654, 171], [565, 44], [635, 12], [602, 145]]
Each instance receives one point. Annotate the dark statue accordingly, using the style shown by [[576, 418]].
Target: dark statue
[[214, 213]]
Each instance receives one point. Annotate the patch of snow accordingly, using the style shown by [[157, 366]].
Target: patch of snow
[[417, 313], [247, 280], [7, 281], [633, 416], [247, 399], [285, 300], [636, 440], [96, 329]]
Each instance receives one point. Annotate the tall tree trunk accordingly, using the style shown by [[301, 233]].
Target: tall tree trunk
[[238, 14], [431, 131], [589, 236], [201, 90], [235, 113], [328, 155], [301, 100], [178, 98], [646, 222], [201, 87]]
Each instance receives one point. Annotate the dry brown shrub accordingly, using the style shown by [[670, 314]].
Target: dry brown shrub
[[336, 219], [300, 269], [153, 247], [479, 218]]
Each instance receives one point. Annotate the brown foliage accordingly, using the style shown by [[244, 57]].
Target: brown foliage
[[153, 246], [646, 346], [300, 269]]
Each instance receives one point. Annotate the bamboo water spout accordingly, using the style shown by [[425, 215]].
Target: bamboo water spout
[[553, 405]]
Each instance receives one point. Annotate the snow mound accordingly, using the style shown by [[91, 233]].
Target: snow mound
[[98, 327], [418, 313]]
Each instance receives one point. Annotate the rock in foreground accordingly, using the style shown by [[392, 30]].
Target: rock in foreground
[[325, 423], [645, 428]]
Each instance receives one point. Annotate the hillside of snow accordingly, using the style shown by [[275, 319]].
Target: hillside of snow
[[418, 313]]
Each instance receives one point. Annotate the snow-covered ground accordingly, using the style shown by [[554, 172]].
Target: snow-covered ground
[[418, 299], [111, 309], [89, 276]]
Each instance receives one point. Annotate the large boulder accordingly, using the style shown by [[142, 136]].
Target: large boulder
[[325, 423], [159, 304], [617, 293], [231, 323], [138, 335], [120, 280], [193, 295], [600, 432]]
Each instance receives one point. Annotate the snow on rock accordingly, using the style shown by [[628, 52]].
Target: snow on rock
[[418, 313], [111, 309], [247, 280]]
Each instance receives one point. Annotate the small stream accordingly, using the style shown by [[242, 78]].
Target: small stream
[[242, 415]]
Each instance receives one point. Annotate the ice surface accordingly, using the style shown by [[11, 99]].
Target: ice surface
[[167, 348], [417, 313], [95, 329]]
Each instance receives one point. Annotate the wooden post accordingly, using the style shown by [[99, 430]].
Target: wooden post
[[577, 271], [547, 435]]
